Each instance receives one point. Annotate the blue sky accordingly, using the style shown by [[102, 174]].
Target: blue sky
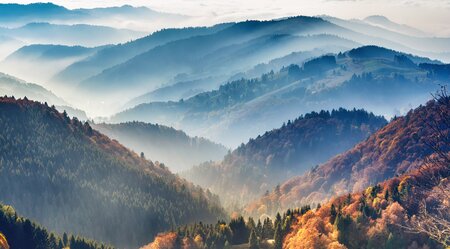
[[429, 15]]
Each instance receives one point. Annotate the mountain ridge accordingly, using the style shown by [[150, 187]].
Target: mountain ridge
[[399, 147]]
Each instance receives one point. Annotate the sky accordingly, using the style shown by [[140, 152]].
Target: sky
[[432, 16]]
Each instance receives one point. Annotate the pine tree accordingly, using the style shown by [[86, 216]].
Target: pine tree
[[278, 237], [259, 229], [253, 240], [65, 240]]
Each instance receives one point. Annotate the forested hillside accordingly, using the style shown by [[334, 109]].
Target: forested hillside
[[71, 178], [277, 155], [407, 211], [17, 232], [383, 216], [399, 147], [175, 148]]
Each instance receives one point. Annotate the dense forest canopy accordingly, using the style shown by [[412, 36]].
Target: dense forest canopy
[[17, 232], [277, 155], [71, 178], [399, 147], [407, 211]]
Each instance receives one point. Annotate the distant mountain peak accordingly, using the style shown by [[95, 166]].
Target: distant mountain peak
[[377, 18]]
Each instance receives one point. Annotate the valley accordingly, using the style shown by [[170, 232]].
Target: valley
[[199, 124]]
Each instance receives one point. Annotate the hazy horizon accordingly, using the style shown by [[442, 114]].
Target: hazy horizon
[[432, 17]]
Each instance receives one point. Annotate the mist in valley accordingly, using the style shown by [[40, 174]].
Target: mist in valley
[[157, 118]]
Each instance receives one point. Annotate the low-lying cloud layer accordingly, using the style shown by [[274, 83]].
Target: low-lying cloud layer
[[430, 15]]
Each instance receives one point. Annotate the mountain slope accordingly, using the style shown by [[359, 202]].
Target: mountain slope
[[69, 177], [21, 233], [12, 86], [76, 34], [120, 53], [377, 79], [126, 16], [177, 59], [384, 216], [187, 62], [297, 146], [40, 62], [379, 217], [399, 147], [433, 47], [409, 211], [177, 150], [388, 24], [279, 45]]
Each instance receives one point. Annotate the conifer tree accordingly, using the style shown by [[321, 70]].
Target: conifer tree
[[278, 237], [253, 240]]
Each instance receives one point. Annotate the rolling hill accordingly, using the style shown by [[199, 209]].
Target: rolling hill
[[407, 211], [275, 156], [12, 86], [374, 78], [175, 148], [173, 58], [71, 178], [39, 63], [126, 16], [394, 38], [401, 146], [76, 34], [120, 53], [263, 41]]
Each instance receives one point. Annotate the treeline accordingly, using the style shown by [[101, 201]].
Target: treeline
[[259, 234], [17, 232]]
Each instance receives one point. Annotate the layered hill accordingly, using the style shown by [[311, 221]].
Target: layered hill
[[381, 80], [252, 41], [12, 86], [175, 148], [77, 34], [120, 53], [39, 63], [401, 146], [125, 16], [408, 211], [275, 156], [71, 178], [395, 38], [204, 56]]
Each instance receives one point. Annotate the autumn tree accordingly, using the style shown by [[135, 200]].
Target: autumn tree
[[434, 220]]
